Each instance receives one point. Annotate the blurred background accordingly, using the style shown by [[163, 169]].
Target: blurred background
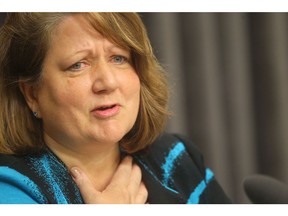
[[228, 74]]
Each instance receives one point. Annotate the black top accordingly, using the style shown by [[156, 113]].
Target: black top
[[172, 170]]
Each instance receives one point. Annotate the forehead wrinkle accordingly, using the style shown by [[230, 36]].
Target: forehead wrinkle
[[111, 47], [94, 40]]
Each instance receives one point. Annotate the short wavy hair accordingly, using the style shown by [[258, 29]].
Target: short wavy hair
[[24, 42]]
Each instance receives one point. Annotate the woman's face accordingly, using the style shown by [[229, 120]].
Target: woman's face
[[90, 92]]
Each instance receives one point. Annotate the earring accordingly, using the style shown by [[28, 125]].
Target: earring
[[35, 114]]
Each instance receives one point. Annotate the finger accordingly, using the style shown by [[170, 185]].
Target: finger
[[135, 180], [123, 172], [86, 187], [142, 195]]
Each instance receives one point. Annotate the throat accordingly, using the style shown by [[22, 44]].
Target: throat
[[99, 166]]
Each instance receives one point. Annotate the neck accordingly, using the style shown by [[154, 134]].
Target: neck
[[99, 162]]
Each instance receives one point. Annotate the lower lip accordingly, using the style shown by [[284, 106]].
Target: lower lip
[[107, 112]]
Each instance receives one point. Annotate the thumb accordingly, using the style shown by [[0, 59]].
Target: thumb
[[86, 187]]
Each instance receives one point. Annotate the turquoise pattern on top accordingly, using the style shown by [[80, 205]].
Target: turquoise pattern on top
[[195, 195], [170, 160]]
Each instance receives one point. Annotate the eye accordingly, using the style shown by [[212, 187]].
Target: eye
[[78, 66], [118, 59]]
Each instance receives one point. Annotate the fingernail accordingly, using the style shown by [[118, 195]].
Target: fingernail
[[75, 172], [129, 157]]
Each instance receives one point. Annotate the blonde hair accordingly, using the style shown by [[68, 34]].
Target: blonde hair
[[24, 41]]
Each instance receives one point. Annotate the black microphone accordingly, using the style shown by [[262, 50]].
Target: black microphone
[[262, 189]]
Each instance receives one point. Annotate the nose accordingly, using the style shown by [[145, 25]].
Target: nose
[[104, 78]]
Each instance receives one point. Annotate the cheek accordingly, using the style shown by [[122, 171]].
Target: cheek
[[60, 95], [73, 95]]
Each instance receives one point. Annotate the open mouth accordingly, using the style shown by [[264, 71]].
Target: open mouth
[[106, 107], [106, 111]]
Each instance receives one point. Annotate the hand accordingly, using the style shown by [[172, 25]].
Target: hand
[[125, 186]]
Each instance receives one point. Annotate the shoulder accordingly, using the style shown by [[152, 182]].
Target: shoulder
[[171, 152], [17, 163], [174, 147], [15, 183], [43, 177], [175, 164], [8, 160], [167, 140]]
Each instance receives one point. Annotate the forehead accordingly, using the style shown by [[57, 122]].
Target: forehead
[[74, 25], [74, 36], [74, 32], [78, 29]]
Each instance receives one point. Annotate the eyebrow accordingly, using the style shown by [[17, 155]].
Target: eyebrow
[[109, 48], [88, 51]]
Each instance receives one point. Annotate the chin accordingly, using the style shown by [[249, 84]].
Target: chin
[[110, 139], [111, 135]]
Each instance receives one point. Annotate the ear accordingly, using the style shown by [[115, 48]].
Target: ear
[[29, 92]]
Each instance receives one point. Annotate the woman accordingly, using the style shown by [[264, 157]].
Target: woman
[[84, 104]]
